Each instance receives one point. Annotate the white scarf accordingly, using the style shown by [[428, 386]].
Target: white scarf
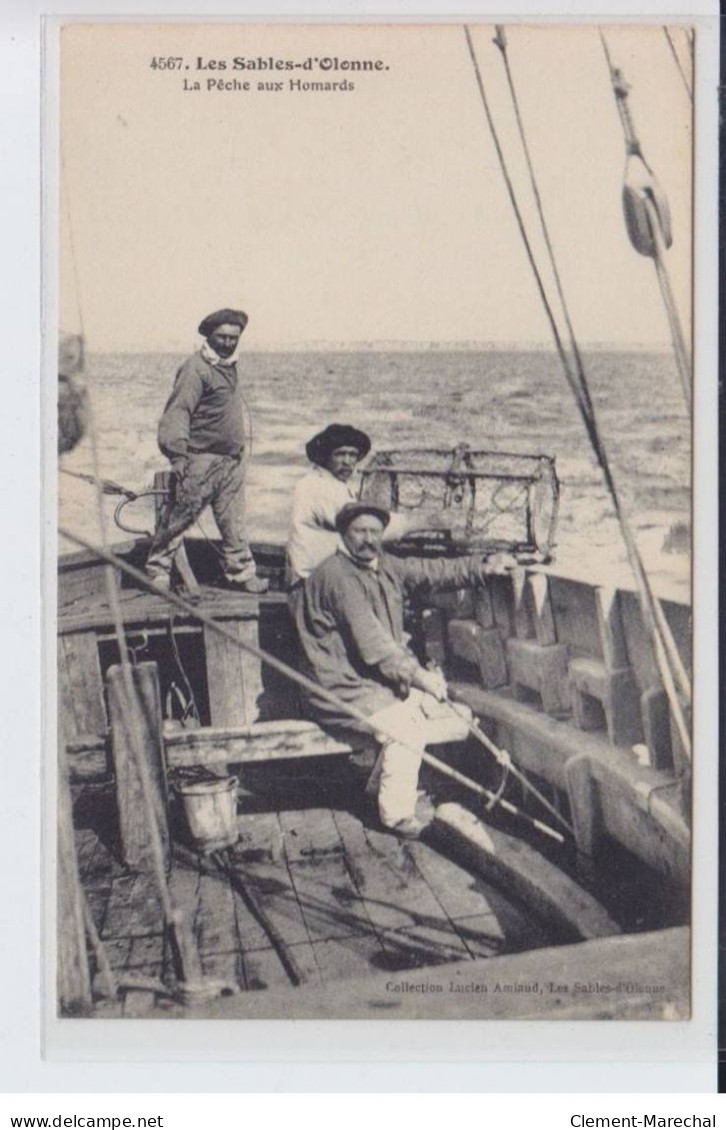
[[213, 357]]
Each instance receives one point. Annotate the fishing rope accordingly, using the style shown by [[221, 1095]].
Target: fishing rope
[[655, 622], [508, 765], [633, 148], [674, 53], [192, 704], [302, 680]]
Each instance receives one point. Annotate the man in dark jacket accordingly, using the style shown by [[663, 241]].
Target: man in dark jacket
[[350, 624], [202, 434]]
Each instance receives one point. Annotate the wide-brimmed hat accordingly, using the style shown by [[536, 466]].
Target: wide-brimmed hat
[[219, 318], [318, 449], [353, 510]]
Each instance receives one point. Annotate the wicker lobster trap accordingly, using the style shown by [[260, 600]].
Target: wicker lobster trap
[[496, 500]]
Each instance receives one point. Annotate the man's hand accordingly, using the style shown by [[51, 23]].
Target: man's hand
[[179, 466], [432, 682]]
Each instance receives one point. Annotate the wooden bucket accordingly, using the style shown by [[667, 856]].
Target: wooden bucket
[[210, 807]]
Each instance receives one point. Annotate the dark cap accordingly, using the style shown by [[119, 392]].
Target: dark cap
[[353, 510], [219, 318], [318, 449]]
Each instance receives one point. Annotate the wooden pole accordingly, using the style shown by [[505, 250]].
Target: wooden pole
[[136, 731], [73, 974]]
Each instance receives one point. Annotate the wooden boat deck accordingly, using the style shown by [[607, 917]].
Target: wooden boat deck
[[347, 899]]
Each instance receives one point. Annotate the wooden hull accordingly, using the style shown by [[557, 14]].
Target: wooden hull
[[556, 671]]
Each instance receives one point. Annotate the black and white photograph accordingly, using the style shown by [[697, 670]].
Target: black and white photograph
[[374, 521]]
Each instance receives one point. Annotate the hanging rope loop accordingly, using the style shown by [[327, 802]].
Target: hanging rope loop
[[641, 187]]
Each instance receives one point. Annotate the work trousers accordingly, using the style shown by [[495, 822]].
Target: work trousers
[[209, 480]]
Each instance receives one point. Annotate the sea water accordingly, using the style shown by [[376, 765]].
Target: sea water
[[506, 400]]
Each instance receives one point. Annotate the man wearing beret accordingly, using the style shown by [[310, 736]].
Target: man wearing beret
[[349, 619], [321, 494], [202, 434]]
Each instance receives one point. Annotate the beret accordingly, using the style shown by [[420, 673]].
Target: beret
[[222, 318], [353, 510], [336, 435]]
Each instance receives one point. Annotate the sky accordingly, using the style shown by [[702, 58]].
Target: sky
[[373, 215]]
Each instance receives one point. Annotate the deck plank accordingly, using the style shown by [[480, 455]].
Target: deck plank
[[260, 837], [133, 908], [263, 970], [216, 919], [352, 957], [310, 834], [458, 891], [329, 901], [271, 884], [482, 934], [402, 907]]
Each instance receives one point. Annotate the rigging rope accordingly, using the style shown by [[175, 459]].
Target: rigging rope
[[193, 610], [674, 53], [669, 663]]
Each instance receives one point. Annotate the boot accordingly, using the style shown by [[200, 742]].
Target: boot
[[252, 584]]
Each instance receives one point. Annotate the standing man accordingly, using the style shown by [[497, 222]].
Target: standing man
[[201, 432], [349, 619], [321, 494]]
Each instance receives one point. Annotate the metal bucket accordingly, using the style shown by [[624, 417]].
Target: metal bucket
[[210, 807]]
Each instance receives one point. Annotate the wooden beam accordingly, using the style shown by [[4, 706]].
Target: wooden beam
[[80, 685], [73, 974], [136, 732], [234, 676], [612, 637], [523, 872], [649, 974]]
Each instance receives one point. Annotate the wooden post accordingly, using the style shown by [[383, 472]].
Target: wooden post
[[80, 685], [136, 731], [234, 676], [73, 974], [657, 727]]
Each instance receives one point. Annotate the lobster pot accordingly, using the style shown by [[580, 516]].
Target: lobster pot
[[210, 808], [493, 500]]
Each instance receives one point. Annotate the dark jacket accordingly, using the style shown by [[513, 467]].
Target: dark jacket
[[204, 411], [350, 625]]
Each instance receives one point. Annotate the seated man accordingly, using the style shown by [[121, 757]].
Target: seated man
[[323, 491], [349, 619]]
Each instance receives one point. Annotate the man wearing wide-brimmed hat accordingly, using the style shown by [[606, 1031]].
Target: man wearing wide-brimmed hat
[[321, 494], [349, 618], [202, 434]]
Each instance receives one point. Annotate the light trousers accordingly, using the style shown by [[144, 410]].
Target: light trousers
[[405, 728], [210, 480]]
